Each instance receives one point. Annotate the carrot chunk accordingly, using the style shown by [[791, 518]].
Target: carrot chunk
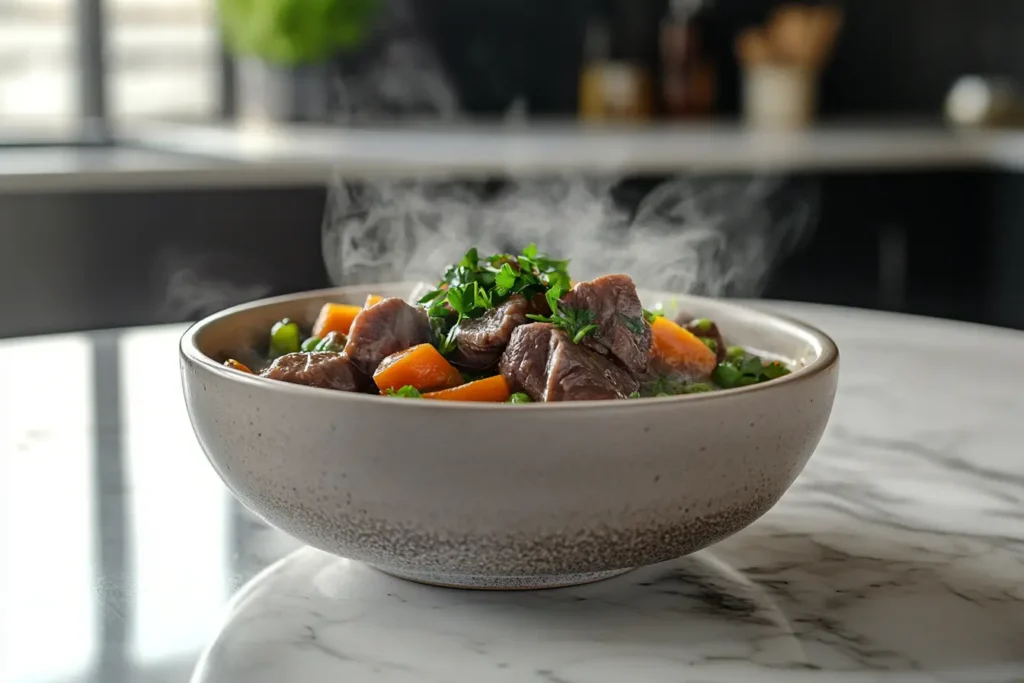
[[490, 390], [335, 318], [235, 365], [420, 367], [682, 350], [372, 300]]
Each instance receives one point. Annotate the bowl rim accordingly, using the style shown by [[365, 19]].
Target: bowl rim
[[825, 346]]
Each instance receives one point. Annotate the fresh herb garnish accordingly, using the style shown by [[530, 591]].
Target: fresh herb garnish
[[405, 392], [711, 343], [519, 397], [741, 369], [575, 322], [635, 394], [634, 325], [477, 284], [651, 316]]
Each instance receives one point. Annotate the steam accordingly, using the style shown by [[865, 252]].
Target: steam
[[690, 234], [198, 285]]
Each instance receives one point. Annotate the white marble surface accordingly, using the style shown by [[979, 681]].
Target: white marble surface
[[217, 155], [897, 556]]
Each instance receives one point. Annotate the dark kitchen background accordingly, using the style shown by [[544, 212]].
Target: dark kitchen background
[[95, 247]]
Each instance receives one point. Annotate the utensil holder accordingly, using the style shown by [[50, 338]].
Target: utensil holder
[[779, 97]]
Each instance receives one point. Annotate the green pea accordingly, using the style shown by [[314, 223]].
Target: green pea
[[519, 397], [310, 344], [710, 343], [735, 352], [284, 338], [703, 324], [334, 342]]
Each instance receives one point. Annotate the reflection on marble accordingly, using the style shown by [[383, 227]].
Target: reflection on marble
[[898, 556]]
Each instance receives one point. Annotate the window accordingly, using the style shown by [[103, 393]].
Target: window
[[162, 59], [37, 81]]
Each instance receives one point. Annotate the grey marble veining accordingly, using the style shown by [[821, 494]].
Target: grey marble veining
[[897, 556]]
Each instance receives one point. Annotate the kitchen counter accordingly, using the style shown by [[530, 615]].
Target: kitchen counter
[[898, 555], [167, 155]]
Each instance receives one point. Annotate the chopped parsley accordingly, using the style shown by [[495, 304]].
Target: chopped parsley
[[478, 284], [634, 325], [405, 392], [575, 322], [741, 369], [651, 316], [519, 397]]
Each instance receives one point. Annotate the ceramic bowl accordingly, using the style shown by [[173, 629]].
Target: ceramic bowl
[[502, 496]]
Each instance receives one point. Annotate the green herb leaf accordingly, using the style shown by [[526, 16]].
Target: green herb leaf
[[752, 366], [506, 278], [450, 341], [634, 325], [460, 299], [774, 370], [553, 296], [559, 280], [405, 392], [530, 251], [519, 397], [470, 260], [651, 316], [583, 332], [635, 394], [726, 375], [431, 296], [710, 342]]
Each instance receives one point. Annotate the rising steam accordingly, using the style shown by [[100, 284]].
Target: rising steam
[[716, 237]]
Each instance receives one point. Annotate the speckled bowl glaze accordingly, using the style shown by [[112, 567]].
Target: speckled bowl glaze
[[500, 496]]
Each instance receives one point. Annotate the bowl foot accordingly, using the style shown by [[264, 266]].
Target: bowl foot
[[503, 583]]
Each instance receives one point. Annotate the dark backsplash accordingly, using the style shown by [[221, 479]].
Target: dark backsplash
[[893, 56]]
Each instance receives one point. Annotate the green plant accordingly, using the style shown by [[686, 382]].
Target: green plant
[[291, 32]]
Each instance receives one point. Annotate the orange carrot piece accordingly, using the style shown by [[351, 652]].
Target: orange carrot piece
[[335, 318], [422, 367], [490, 390], [681, 349], [372, 300], [235, 365]]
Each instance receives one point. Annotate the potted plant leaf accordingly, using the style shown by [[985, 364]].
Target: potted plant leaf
[[285, 51]]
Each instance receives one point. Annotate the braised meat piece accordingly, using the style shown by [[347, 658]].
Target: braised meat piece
[[622, 330], [327, 370], [542, 361], [383, 329], [481, 340]]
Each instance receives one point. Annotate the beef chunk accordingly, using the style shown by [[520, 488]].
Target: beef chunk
[[705, 329], [326, 370], [383, 329], [622, 330], [481, 340], [542, 361]]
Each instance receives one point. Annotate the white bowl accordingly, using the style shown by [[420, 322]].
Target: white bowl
[[506, 496]]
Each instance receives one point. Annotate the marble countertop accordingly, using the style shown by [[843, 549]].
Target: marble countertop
[[897, 556], [189, 155]]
